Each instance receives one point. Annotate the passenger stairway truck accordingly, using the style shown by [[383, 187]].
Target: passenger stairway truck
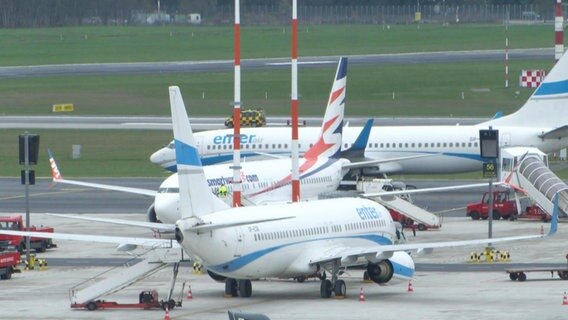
[[527, 169], [399, 204], [16, 223], [88, 293]]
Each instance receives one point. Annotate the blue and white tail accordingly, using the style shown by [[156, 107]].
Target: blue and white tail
[[329, 143], [196, 198], [548, 105]]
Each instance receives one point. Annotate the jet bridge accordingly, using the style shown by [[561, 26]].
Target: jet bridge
[[125, 275], [527, 168]]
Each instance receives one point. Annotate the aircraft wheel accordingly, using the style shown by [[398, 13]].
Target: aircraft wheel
[[563, 275], [245, 288], [231, 287], [340, 290], [522, 276], [513, 276], [325, 289], [366, 276], [301, 279]]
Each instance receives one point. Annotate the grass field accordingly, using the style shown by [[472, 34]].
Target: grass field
[[419, 90]]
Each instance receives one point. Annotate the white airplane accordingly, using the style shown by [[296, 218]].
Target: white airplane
[[541, 123], [280, 240], [321, 168]]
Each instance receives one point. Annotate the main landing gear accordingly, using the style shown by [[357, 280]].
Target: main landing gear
[[238, 288], [335, 285]]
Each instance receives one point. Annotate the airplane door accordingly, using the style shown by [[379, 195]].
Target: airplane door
[[505, 139], [240, 243]]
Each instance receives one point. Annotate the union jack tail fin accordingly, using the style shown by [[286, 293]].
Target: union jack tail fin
[[329, 143]]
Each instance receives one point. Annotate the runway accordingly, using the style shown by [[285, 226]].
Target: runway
[[272, 63]]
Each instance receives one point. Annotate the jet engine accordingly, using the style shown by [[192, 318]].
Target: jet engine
[[151, 214], [380, 272]]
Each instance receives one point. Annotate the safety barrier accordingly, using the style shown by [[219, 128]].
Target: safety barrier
[[197, 268], [490, 256]]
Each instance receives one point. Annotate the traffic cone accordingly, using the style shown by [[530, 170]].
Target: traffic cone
[[189, 294], [361, 295], [565, 299], [167, 315], [410, 288]]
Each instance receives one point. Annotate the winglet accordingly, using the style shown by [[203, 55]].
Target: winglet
[[554, 220], [55, 174], [357, 149]]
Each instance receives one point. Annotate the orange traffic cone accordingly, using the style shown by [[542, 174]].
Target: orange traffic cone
[[189, 294], [565, 299], [361, 295], [167, 315], [410, 288]]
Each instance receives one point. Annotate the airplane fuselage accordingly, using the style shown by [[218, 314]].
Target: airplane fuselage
[[454, 148], [263, 182], [286, 248]]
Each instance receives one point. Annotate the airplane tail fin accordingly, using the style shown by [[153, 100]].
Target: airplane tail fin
[[329, 143], [357, 149], [548, 105], [196, 198], [55, 173]]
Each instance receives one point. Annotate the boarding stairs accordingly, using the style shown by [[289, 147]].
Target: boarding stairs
[[541, 184], [408, 209], [120, 277], [228, 199]]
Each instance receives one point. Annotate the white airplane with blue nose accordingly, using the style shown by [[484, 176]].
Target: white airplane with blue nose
[[278, 240]]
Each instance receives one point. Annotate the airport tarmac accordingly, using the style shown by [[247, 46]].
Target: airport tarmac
[[443, 294]]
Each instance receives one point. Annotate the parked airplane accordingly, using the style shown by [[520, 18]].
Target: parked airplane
[[321, 168], [542, 123], [281, 240]]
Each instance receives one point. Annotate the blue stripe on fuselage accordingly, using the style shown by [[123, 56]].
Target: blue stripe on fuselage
[[242, 261]]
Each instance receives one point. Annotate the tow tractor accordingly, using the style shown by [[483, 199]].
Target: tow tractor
[[147, 300]]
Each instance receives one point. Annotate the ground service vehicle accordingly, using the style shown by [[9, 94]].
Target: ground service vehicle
[[16, 223], [534, 212], [249, 118], [503, 207], [9, 259], [146, 300]]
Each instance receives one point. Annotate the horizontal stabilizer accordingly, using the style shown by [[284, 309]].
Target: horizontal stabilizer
[[557, 133]]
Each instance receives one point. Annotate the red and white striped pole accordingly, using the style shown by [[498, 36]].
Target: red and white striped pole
[[558, 31], [237, 112], [294, 105]]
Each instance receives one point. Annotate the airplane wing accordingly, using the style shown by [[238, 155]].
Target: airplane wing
[[431, 190], [145, 242], [349, 255], [557, 133], [379, 161], [58, 178], [163, 227]]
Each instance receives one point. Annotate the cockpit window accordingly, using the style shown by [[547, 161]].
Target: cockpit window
[[171, 145], [168, 190]]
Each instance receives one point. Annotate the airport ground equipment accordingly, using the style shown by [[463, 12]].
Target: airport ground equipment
[[92, 290], [9, 259], [527, 169], [401, 207], [504, 206], [147, 300], [249, 118], [520, 274], [16, 223]]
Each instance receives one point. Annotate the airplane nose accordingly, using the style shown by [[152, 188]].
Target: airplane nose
[[157, 157]]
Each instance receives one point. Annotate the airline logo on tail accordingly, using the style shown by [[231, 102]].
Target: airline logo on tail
[[329, 143]]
